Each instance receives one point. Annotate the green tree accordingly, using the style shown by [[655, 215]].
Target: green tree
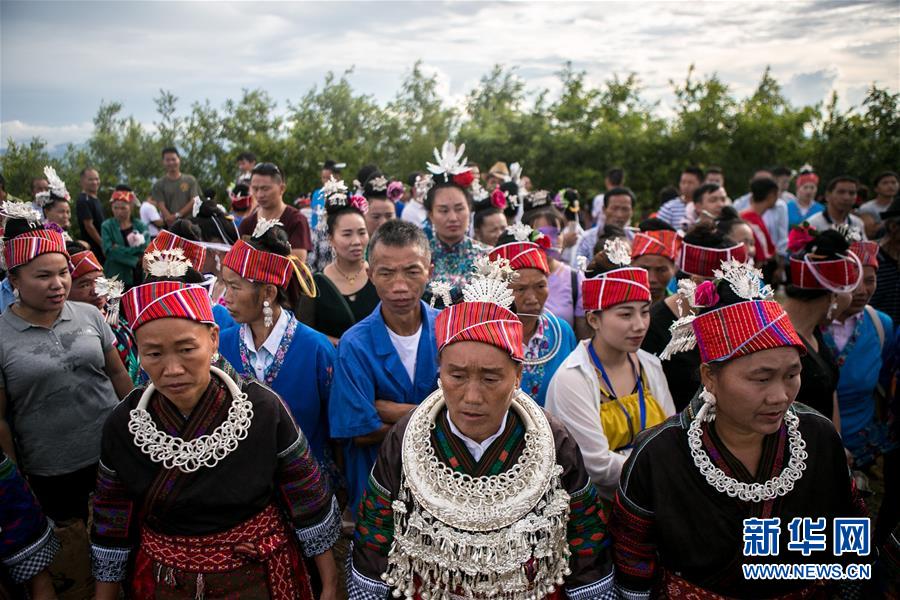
[[21, 163]]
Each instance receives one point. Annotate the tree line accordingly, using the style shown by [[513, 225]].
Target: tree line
[[569, 141]]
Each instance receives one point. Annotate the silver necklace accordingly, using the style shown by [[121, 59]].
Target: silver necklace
[[204, 451], [752, 492]]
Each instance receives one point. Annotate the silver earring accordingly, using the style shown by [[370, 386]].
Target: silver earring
[[16, 293], [268, 314], [708, 410], [215, 357], [830, 315]]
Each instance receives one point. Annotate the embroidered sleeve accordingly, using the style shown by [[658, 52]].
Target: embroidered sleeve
[[634, 548], [374, 532], [27, 541], [319, 538], [360, 587], [111, 534], [304, 492], [605, 589]]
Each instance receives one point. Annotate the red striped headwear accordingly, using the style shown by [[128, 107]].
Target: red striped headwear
[[702, 261], [661, 243], [258, 265], [841, 275], [522, 255], [166, 240], [744, 328], [866, 252], [484, 315], [84, 263], [164, 300], [628, 284], [26, 247]]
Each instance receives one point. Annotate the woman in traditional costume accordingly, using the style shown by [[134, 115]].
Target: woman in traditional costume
[[823, 273], [478, 493], [703, 250], [448, 201], [211, 485], [60, 374], [124, 238], [548, 340], [263, 286], [608, 390], [346, 295], [741, 450], [27, 541], [860, 340], [91, 287]]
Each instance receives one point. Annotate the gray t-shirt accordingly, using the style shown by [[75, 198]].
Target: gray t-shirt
[[175, 193], [57, 392]]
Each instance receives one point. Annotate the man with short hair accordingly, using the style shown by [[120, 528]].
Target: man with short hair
[[776, 219], [615, 177], [673, 211], [783, 177], [708, 201], [840, 197], [714, 175], [267, 188], [763, 196], [886, 184], [174, 192], [89, 211], [386, 363], [618, 208]]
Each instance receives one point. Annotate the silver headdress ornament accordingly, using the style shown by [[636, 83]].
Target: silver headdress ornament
[[617, 252], [20, 210], [335, 191], [167, 263], [57, 187], [539, 198], [745, 280], [581, 263], [849, 232], [479, 194], [198, 202], [263, 225], [379, 184], [423, 184], [520, 231], [449, 160], [807, 168], [490, 282], [441, 289], [112, 289]]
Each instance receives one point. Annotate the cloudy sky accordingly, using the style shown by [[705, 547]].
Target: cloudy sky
[[59, 59]]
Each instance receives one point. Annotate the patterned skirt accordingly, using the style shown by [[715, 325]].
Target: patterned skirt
[[257, 559]]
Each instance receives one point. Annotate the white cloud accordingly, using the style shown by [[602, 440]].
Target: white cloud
[[52, 134]]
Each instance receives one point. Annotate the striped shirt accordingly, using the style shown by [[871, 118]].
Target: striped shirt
[[673, 212]]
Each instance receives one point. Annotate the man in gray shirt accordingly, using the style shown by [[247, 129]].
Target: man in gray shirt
[[175, 191]]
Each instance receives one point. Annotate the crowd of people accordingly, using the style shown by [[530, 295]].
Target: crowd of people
[[450, 385]]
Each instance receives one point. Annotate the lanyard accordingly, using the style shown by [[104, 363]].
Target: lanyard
[[640, 386]]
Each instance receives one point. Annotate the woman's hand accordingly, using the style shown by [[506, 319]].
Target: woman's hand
[[328, 575]]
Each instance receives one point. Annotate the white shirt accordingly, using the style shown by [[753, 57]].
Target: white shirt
[[263, 358], [476, 449], [821, 223], [842, 332], [407, 347], [574, 396], [150, 213], [415, 213]]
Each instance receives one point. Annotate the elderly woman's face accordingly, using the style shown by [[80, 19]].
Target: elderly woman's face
[[478, 381], [754, 391], [530, 290], [176, 354]]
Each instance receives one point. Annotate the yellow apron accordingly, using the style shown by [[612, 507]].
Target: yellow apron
[[622, 426]]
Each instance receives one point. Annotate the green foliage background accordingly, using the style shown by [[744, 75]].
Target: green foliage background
[[567, 142]]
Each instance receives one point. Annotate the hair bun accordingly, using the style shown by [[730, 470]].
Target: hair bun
[[828, 244], [274, 240]]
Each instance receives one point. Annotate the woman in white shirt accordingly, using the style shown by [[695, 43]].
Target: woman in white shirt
[[609, 390]]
